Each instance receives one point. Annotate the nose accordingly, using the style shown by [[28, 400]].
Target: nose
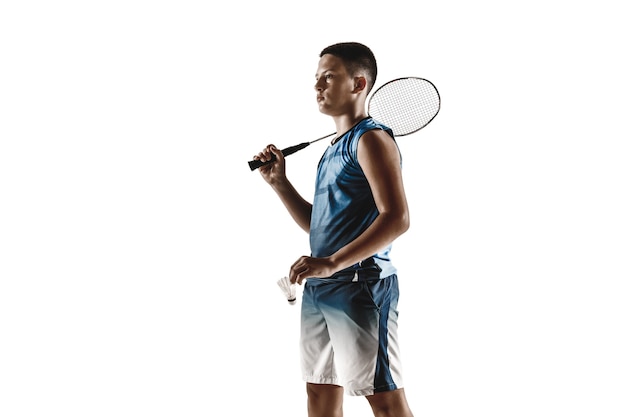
[[318, 84]]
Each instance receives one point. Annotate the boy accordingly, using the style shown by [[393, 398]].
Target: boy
[[349, 317]]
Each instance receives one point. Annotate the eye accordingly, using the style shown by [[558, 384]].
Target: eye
[[328, 76]]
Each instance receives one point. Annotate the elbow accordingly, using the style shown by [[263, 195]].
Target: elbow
[[396, 222], [404, 222]]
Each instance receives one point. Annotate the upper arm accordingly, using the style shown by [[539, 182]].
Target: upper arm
[[380, 161]]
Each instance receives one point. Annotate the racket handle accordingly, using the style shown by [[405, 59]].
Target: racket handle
[[287, 151]]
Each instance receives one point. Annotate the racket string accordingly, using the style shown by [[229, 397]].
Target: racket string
[[406, 105]]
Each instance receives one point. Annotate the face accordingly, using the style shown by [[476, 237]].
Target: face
[[336, 94]]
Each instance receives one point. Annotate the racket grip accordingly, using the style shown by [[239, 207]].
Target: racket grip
[[254, 164]]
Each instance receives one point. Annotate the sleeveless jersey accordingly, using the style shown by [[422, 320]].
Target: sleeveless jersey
[[343, 206]]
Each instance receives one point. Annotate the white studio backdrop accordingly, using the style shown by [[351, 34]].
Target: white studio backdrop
[[139, 255]]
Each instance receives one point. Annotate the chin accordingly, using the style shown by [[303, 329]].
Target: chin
[[326, 110]]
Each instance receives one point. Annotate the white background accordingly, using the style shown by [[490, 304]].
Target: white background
[[138, 253]]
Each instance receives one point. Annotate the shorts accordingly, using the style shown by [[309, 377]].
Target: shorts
[[349, 334]]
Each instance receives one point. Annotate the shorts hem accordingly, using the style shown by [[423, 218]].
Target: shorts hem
[[360, 392], [371, 391], [320, 380]]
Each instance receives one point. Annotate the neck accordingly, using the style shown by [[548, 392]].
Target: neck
[[345, 122]]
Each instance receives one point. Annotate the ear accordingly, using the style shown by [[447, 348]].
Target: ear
[[360, 83]]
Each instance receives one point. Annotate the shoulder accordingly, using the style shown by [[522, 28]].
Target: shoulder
[[370, 128], [370, 124], [377, 143]]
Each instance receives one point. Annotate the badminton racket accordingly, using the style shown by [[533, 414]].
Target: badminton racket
[[405, 105]]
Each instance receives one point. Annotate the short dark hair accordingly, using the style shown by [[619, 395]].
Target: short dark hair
[[356, 57]]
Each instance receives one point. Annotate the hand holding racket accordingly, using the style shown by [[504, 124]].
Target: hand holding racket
[[406, 105]]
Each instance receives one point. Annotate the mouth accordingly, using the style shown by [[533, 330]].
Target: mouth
[[320, 99]]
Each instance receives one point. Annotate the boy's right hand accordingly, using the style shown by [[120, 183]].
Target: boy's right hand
[[274, 172]]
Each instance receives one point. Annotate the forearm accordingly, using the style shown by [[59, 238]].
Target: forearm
[[296, 205], [380, 234]]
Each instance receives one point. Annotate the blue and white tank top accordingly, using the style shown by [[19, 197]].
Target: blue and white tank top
[[343, 206]]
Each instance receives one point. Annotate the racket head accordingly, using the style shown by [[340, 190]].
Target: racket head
[[406, 104]]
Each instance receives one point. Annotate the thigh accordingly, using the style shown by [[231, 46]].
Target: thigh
[[353, 320], [362, 321], [316, 351]]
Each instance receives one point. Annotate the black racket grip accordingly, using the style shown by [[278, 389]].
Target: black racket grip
[[254, 164]]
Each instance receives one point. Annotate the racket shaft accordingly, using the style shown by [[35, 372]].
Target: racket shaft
[[287, 151]]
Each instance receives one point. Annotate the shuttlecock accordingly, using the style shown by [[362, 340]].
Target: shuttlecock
[[288, 289]]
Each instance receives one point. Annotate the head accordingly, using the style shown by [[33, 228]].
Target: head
[[345, 76], [358, 59]]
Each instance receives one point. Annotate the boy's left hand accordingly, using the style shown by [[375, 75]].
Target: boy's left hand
[[309, 267]]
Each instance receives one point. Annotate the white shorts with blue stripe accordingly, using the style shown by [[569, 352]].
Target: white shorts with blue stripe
[[349, 334]]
